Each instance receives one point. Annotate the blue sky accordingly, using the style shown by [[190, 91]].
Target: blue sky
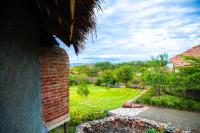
[[130, 30]]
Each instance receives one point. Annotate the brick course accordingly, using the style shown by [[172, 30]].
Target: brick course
[[54, 69]]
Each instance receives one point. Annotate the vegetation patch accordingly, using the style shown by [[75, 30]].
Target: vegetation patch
[[170, 101], [96, 88], [96, 104]]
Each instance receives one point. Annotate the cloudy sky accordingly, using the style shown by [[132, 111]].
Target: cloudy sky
[[138, 29]]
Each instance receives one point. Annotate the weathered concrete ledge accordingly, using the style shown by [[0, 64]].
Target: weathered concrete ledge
[[119, 124]]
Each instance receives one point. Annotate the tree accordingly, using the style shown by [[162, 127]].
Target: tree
[[124, 74], [108, 78], [84, 69], [159, 61], [81, 79], [156, 79], [91, 72], [80, 69], [189, 75], [138, 80], [156, 75], [98, 81], [101, 66]]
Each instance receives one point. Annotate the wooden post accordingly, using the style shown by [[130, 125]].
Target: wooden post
[[65, 127]]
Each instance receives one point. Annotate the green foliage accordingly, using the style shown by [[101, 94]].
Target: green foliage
[[101, 66], [124, 74], [189, 76], [95, 106], [157, 79], [81, 79], [138, 65], [170, 101], [153, 130], [84, 70], [98, 96], [72, 79], [157, 74], [60, 129], [108, 78], [153, 73], [99, 81], [83, 90], [90, 72], [159, 61], [80, 69], [79, 116]]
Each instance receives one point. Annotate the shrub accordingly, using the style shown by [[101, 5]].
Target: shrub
[[170, 101], [81, 79], [83, 89], [153, 130], [72, 79], [98, 82], [78, 117]]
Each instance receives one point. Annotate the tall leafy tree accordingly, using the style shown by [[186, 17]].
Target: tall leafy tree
[[124, 74], [190, 75], [101, 66], [156, 76], [108, 78]]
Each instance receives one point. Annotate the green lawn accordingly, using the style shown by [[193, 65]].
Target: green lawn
[[100, 98], [94, 106]]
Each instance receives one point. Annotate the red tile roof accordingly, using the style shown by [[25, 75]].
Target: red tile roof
[[178, 61]]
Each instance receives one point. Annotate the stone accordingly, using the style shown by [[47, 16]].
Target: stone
[[116, 124]]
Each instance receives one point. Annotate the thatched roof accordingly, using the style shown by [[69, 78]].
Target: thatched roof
[[178, 61], [69, 20]]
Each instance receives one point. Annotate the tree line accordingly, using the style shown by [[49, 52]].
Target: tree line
[[153, 73]]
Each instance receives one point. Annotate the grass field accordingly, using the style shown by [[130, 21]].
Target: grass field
[[99, 100]]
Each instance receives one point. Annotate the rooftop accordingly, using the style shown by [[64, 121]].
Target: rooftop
[[178, 61]]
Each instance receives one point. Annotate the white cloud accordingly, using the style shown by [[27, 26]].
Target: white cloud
[[136, 29]]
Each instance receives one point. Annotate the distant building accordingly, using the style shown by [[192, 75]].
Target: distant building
[[177, 60]]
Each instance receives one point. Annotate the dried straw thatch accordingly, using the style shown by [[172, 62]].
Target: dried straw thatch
[[69, 20]]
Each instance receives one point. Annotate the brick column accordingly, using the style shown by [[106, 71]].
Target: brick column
[[54, 69]]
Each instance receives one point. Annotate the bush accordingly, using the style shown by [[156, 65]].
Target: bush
[[79, 117], [83, 89], [170, 101], [98, 82], [72, 79], [153, 130], [82, 79]]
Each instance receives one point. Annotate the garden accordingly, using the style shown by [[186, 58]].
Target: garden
[[95, 105], [97, 88]]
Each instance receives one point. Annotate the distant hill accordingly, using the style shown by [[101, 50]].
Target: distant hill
[[78, 64]]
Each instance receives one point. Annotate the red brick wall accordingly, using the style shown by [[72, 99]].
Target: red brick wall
[[54, 68]]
